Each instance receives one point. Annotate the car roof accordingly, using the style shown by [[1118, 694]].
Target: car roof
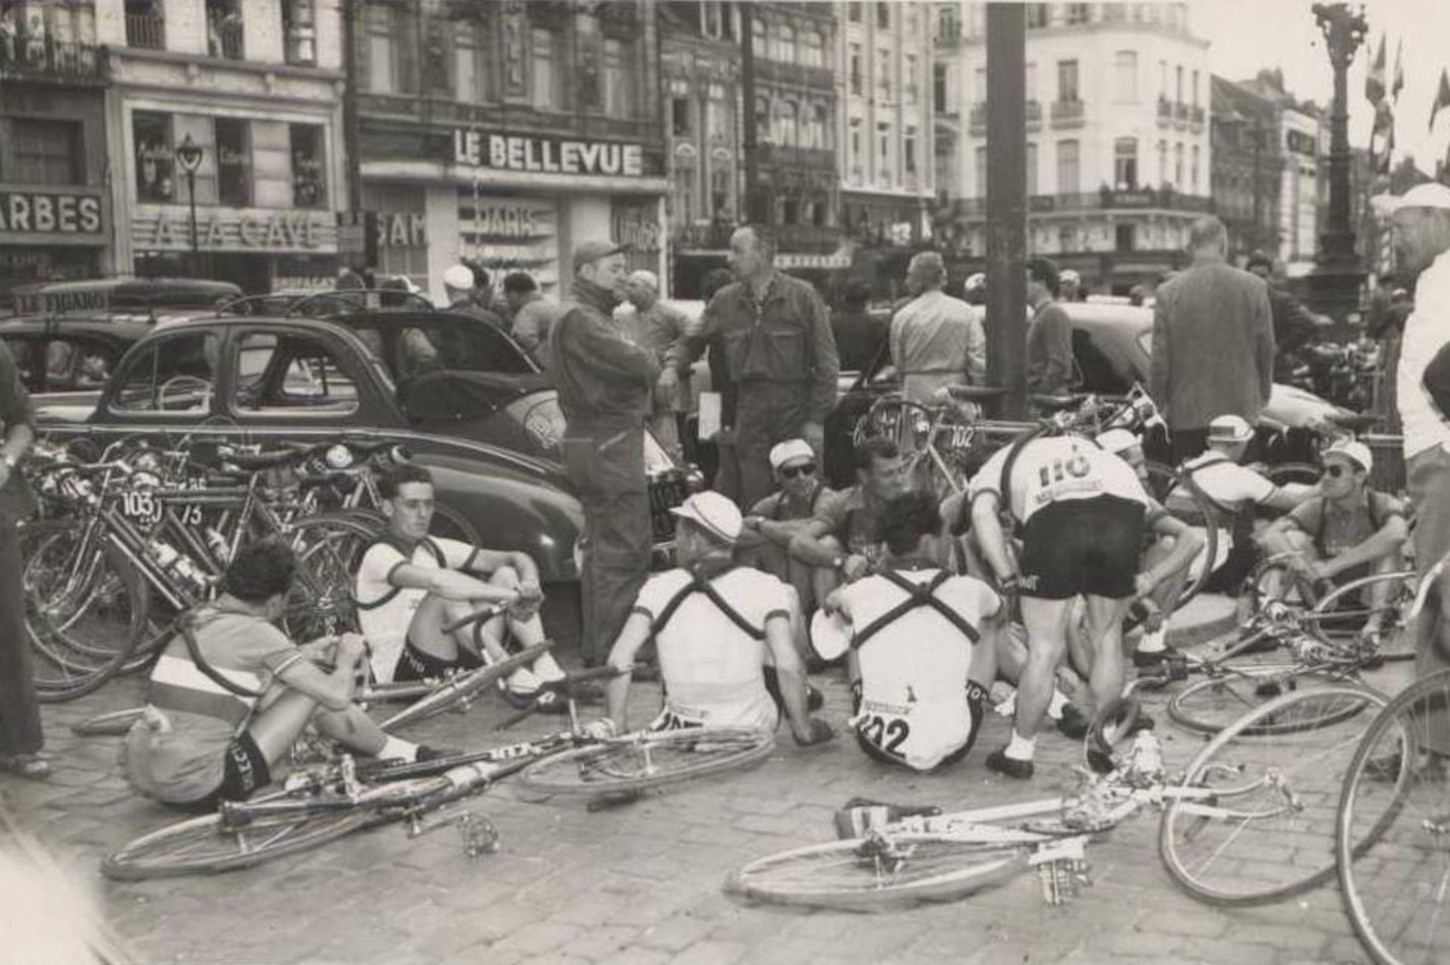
[[109, 326], [121, 294], [1100, 314]]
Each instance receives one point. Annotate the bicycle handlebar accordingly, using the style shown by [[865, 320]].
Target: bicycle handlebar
[[482, 613]]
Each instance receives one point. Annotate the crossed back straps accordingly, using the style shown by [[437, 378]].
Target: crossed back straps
[[917, 595], [702, 584]]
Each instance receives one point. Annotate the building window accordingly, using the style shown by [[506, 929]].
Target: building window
[[762, 118], [981, 172], [1163, 80], [813, 49], [908, 149], [145, 24], [786, 124], [1125, 163], [716, 21], [546, 87], [980, 90], [1037, 15], [685, 181], [680, 116], [883, 151], [883, 72], [757, 37], [470, 71], [1077, 13], [1178, 165], [1123, 237], [1193, 172], [1178, 97], [716, 120], [1067, 239], [1162, 162], [855, 58], [1031, 169], [883, 16], [1195, 88], [391, 66], [1068, 166], [785, 44], [34, 151], [855, 158], [719, 190], [1067, 89], [813, 127], [233, 162], [853, 12], [618, 71], [224, 29], [939, 87], [909, 81], [155, 162], [1126, 67], [299, 31], [309, 175]]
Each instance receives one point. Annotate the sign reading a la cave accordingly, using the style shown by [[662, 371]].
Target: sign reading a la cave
[[547, 155]]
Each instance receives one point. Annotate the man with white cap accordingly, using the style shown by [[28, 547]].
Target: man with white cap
[[660, 328], [463, 296], [1347, 531], [1069, 286], [722, 633], [1420, 226], [775, 520]]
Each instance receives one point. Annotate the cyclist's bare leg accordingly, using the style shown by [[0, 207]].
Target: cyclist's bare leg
[[277, 728], [1380, 594], [824, 580], [1105, 630], [1046, 622], [434, 613]]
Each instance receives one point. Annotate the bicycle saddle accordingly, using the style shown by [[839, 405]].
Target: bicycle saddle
[[1059, 403]]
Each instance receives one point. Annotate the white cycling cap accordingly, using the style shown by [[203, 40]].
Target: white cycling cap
[[977, 281], [458, 276], [783, 452], [1353, 450], [1230, 428], [713, 513]]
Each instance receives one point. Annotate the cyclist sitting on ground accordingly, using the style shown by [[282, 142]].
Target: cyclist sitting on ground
[[231, 694], [922, 652], [840, 541], [1346, 532], [773, 522], [717, 629], [410, 585], [1083, 513]]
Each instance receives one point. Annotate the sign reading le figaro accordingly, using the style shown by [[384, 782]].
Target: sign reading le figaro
[[547, 154]]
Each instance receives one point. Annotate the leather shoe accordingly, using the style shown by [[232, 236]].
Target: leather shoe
[[1010, 766]]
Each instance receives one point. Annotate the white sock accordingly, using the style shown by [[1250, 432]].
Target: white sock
[[546, 668], [523, 681], [394, 748], [1054, 706], [1155, 642], [1021, 748]]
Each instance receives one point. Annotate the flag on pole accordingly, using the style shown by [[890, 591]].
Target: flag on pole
[[1442, 97], [1374, 81], [1399, 81]]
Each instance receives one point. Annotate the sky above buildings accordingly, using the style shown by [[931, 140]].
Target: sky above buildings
[[1248, 35]]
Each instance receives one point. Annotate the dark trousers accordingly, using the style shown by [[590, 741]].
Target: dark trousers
[[606, 467], [19, 711], [766, 413], [1188, 443]]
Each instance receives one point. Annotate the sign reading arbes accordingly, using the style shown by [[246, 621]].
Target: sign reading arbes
[[547, 154], [44, 213]]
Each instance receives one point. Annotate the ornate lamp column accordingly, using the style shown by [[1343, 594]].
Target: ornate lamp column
[[1334, 285]]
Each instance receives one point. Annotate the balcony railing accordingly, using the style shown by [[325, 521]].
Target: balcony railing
[[805, 237], [1164, 197], [797, 157], [1165, 109], [224, 39], [31, 57], [146, 30], [1068, 113], [779, 72], [714, 236], [301, 46]]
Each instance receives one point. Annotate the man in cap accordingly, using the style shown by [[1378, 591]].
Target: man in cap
[[1069, 286], [974, 290], [463, 296], [780, 357], [1213, 342], [1420, 226], [660, 329], [775, 520], [1294, 327], [722, 632], [1050, 366], [1346, 532], [605, 385], [533, 315], [936, 340]]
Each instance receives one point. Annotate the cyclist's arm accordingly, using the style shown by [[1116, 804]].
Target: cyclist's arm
[[1284, 498], [990, 538], [1186, 545], [333, 689], [488, 561], [1384, 541], [450, 585], [781, 532], [806, 545], [621, 658], [791, 674]]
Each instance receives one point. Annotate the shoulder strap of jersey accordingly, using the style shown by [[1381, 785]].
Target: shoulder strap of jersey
[[184, 623], [1186, 472], [917, 595], [699, 584], [1004, 489], [437, 552]]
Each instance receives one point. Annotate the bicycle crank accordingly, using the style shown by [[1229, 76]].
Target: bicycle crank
[[479, 834]]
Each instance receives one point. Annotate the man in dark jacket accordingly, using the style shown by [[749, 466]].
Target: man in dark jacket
[[1294, 327], [605, 385], [780, 358], [1213, 343], [859, 336]]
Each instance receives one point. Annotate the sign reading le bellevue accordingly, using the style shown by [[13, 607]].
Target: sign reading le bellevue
[[547, 154]]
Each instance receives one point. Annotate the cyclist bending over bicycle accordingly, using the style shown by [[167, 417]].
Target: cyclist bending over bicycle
[[411, 585], [231, 694], [723, 636]]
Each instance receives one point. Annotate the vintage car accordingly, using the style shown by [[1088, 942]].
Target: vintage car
[[119, 295]]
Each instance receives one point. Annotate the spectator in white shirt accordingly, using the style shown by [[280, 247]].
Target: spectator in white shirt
[[936, 340]]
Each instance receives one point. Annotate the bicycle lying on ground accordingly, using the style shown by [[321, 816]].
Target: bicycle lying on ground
[[324, 802], [1241, 798]]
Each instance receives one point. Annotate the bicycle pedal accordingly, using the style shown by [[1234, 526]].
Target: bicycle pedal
[[480, 836]]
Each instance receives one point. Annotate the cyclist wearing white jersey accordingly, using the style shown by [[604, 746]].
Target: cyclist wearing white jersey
[[717, 628], [922, 650], [1081, 512], [410, 585]]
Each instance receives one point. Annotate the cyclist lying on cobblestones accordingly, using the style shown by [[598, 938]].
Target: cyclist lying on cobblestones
[[722, 633], [410, 585], [231, 694], [922, 651]]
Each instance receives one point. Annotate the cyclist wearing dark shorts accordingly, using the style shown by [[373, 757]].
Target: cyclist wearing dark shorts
[[230, 694], [922, 648], [722, 633], [1082, 513]]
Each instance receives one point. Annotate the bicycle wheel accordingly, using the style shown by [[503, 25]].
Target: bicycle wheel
[[1392, 838], [329, 548], [85, 608], [855, 875], [1215, 703], [1345, 610], [203, 845], [1272, 580], [1161, 481], [1262, 833], [647, 759], [458, 690], [113, 724]]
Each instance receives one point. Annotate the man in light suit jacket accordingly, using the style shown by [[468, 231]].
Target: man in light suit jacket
[[1213, 343]]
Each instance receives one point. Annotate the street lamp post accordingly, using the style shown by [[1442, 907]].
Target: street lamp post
[[189, 156]]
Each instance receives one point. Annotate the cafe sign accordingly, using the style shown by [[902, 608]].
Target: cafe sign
[[547, 154], [50, 213], [242, 229]]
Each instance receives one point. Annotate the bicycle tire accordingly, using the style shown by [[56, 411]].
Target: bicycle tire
[[1397, 642], [1391, 830], [835, 875], [115, 723], [1266, 836], [463, 686], [1290, 594], [626, 765], [77, 644], [1161, 481], [202, 845], [1293, 472], [1212, 704], [329, 549]]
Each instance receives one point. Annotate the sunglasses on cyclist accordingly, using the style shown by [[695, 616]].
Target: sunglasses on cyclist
[[804, 469], [1336, 470]]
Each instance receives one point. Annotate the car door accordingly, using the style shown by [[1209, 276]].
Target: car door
[[171, 379], [287, 379]]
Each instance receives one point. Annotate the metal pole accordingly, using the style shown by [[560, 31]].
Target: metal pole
[[195, 248], [1007, 204], [747, 114]]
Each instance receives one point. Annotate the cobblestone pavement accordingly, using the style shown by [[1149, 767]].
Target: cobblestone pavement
[[641, 884]]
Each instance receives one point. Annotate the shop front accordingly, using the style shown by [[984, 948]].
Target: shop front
[[260, 249], [51, 234]]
